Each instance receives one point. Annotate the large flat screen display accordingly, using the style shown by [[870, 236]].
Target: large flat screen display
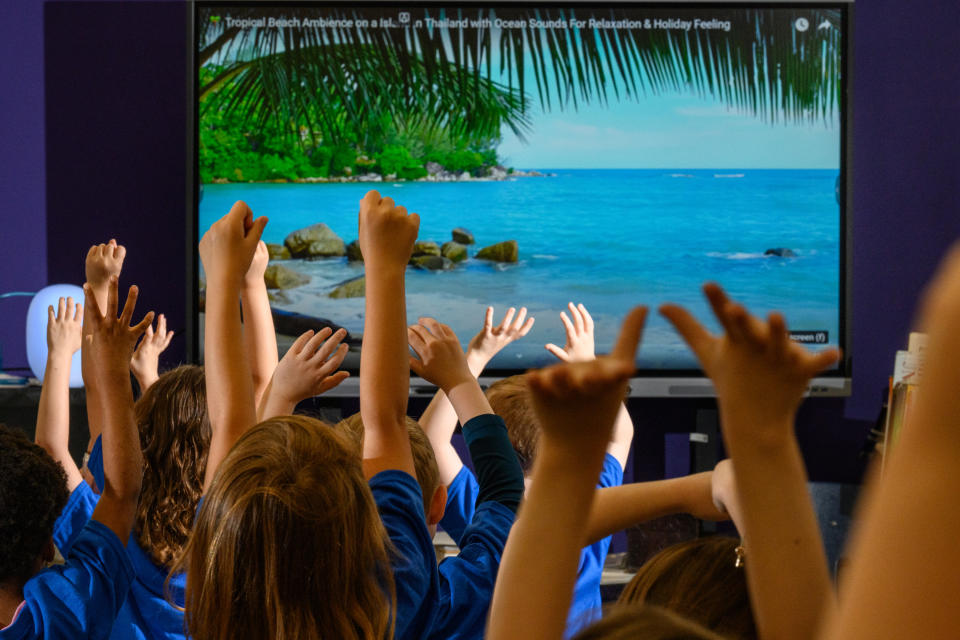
[[608, 155]]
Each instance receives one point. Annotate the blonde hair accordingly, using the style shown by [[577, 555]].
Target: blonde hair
[[629, 622], [424, 459], [510, 399], [288, 544]]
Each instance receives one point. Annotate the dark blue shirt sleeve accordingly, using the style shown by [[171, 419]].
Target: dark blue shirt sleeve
[[74, 517], [95, 462], [498, 470], [79, 599], [400, 503], [461, 504]]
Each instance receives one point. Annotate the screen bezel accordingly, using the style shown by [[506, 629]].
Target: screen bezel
[[646, 382]]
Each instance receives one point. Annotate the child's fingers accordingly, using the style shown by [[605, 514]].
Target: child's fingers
[[416, 366], [416, 336], [575, 315], [693, 333], [141, 326], [822, 360], [433, 326], [738, 324], [507, 318], [331, 381], [256, 231], [525, 329], [331, 365], [51, 317], [568, 326], [388, 203], [128, 307], [414, 221], [310, 349], [148, 334], [330, 345], [113, 295], [166, 341], [78, 312], [779, 339], [91, 301], [301, 342], [119, 252], [162, 325], [557, 351], [629, 339], [718, 300], [587, 318], [61, 309], [521, 316], [488, 320]]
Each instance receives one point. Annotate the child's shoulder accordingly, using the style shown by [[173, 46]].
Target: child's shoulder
[[80, 598]]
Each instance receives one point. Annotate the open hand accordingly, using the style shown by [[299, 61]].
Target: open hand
[[492, 339], [145, 362], [576, 402], [387, 233], [580, 342], [441, 360], [754, 365], [65, 328], [258, 266], [104, 261], [228, 246], [309, 368], [111, 339]]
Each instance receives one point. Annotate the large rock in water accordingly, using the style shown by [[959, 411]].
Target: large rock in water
[[463, 236], [353, 252], [316, 241], [353, 288], [280, 277], [507, 251], [453, 251], [425, 248], [431, 263], [780, 252], [278, 252]]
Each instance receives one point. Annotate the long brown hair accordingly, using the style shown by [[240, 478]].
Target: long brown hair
[[175, 438], [288, 544], [629, 622], [699, 580]]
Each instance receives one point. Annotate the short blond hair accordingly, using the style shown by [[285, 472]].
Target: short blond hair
[[510, 399]]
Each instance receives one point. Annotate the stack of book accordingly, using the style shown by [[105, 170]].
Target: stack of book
[[904, 387]]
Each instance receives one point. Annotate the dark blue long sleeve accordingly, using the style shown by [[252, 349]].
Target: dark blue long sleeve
[[494, 460]]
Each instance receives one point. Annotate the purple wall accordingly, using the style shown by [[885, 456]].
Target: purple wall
[[115, 166]]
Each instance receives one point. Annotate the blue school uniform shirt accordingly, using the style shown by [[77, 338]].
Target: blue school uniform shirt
[[400, 503], [586, 605], [79, 599], [147, 613]]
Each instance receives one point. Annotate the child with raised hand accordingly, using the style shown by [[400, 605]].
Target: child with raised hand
[[467, 580], [904, 570], [81, 598], [576, 405], [287, 542], [145, 363], [258, 333], [761, 376], [307, 369], [439, 420]]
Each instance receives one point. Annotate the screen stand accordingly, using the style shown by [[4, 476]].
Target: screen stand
[[704, 441]]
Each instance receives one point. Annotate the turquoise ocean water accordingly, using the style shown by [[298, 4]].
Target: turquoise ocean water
[[610, 239]]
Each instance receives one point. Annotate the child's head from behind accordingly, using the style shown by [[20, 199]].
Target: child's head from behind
[[424, 464], [510, 399], [288, 543], [628, 622], [700, 580], [33, 492], [175, 438]]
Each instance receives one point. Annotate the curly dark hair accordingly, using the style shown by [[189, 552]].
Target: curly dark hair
[[33, 492], [175, 438]]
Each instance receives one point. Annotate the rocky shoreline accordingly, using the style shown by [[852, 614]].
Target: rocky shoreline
[[435, 173]]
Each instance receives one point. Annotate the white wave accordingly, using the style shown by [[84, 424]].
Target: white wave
[[681, 175], [737, 255], [728, 175], [544, 256]]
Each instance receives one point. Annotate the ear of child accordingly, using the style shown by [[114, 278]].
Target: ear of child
[[576, 402]]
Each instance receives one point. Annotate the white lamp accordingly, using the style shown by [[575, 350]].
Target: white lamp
[[37, 330]]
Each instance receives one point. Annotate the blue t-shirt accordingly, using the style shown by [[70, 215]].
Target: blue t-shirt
[[79, 599], [400, 503], [467, 580], [586, 605], [148, 613]]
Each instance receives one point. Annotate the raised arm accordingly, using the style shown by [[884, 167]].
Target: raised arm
[[145, 363], [617, 508], [579, 347], [258, 333], [111, 341], [576, 404], [64, 333], [226, 250], [904, 570], [386, 234], [103, 262], [439, 421], [761, 376], [309, 368]]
